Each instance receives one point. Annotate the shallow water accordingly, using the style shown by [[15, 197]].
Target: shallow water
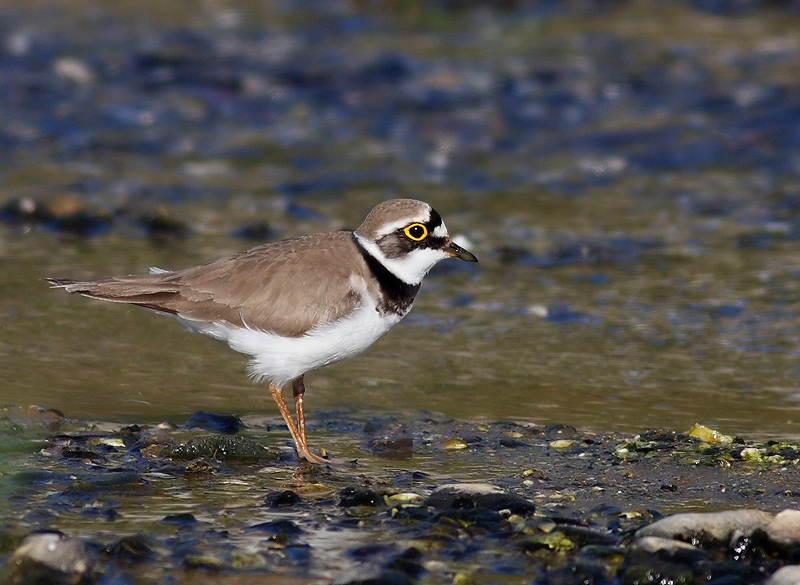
[[675, 338], [630, 189]]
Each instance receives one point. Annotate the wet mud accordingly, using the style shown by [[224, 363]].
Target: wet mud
[[520, 502]]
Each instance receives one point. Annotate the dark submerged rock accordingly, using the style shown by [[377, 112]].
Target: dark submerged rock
[[655, 571], [282, 499], [580, 572], [131, 549], [352, 496], [182, 519], [466, 495], [228, 424], [222, 447], [388, 439], [277, 527]]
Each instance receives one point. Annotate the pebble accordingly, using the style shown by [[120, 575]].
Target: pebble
[[351, 497], [580, 534], [74, 70], [784, 530], [666, 548], [50, 557], [282, 499], [788, 575], [709, 527], [708, 435], [474, 495], [455, 445], [562, 444]]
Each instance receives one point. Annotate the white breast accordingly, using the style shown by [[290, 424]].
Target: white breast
[[282, 359]]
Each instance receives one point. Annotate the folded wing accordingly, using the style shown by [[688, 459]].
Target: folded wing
[[276, 287]]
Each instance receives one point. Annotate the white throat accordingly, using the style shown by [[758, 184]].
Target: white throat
[[412, 268]]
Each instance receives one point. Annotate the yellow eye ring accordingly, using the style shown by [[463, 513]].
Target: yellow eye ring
[[416, 232]]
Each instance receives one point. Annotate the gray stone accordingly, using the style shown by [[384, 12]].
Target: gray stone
[[709, 527], [666, 549], [50, 557], [784, 530], [788, 575]]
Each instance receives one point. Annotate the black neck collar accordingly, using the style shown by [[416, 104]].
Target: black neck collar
[[397, 296]]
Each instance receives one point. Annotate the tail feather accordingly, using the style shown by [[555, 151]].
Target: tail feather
[[60, 282], [161, 291], [145, 291]]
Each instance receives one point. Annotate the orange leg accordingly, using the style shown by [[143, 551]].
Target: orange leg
[[299, 389], [277, 396], [298, 432]]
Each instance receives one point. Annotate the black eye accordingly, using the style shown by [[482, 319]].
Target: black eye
[[416, 232]]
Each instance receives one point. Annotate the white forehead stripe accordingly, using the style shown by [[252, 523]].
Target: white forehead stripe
[[401, 223], [440, 231]]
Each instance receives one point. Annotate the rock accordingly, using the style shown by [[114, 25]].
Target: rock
[[784, 530], [478, 495], [75, 70], [206, 562], [50, 557], [579, 572], [709, 528], [657, 572], [181, 519], [667, 549], [788, 575], [357, 497], [708, 435], [131, 549], [562, 444], [455, 445], [221, 447], [282, 499], [391, 446], [30, 416], [726, 572], [227, 424], [276, 527], [588, 536]]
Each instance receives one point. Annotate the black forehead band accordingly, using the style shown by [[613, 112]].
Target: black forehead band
[[435, 220]]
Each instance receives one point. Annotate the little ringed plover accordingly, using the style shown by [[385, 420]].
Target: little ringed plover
[[301, 303]]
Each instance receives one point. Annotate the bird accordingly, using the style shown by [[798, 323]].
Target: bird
[[301, 303]]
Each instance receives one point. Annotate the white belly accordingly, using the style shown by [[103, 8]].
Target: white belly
[[280, 359]]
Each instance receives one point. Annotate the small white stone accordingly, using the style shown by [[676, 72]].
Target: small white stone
[[788, 575], [784, 530], [75, 70]]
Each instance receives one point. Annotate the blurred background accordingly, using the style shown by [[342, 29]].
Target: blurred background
[[628, 173]]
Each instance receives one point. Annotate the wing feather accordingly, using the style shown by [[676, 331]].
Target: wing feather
[[286, 287]]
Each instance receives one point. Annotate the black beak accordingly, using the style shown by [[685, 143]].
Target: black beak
[[457, 251]]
